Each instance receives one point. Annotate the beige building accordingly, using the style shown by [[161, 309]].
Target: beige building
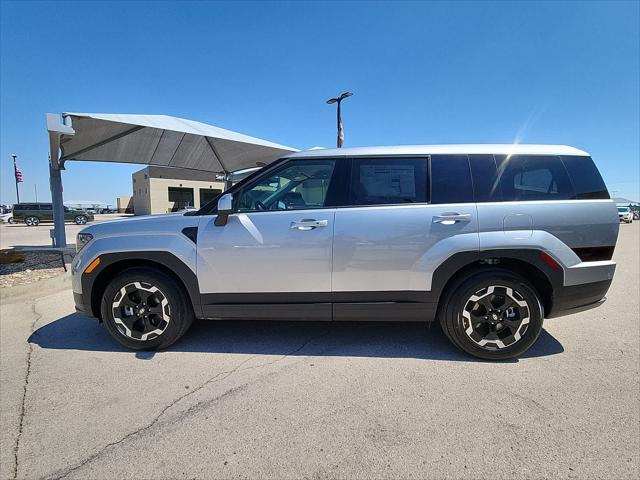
[[166, 189]]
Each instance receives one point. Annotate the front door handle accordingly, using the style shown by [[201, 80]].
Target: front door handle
[[308, 224], [451, 218]]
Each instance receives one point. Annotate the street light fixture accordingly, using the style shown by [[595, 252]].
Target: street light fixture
[[338, 100]]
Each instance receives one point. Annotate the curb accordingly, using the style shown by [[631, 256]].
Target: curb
[[37, 289]]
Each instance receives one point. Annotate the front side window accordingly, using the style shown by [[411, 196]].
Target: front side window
[[385, 181], [296, 185]]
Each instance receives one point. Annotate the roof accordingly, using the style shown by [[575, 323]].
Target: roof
[[497, 149], [162, 140], [626, 201]]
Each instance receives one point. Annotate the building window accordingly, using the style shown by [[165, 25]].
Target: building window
[[180, 198]]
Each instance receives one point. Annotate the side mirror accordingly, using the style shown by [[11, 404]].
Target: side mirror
[[225, 208]]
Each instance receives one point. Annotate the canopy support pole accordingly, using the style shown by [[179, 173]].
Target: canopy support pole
[[55, 180], [56, 129]]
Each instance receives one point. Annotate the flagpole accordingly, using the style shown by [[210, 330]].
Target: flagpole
[[15, 177]]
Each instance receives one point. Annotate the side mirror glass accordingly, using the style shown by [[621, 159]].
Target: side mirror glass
[[225, 208]]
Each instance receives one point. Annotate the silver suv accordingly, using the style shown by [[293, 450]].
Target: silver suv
[[486, 239]]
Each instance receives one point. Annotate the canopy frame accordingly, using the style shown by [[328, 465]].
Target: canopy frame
[[148, 140]]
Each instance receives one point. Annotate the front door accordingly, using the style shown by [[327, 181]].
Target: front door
[[275, 250]]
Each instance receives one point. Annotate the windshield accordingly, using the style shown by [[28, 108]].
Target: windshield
[[623, 209]]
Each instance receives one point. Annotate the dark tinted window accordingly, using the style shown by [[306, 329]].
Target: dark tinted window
[[46, 206], [485, 173], [533, 177], [26, 206], [383, 181], [450, 179], [587, 181]]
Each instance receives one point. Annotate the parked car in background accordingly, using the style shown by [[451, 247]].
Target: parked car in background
[[6, 217], [625, 214], [486, 239], [32, 214]]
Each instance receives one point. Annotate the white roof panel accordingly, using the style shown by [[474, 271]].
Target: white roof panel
[[463, 149]]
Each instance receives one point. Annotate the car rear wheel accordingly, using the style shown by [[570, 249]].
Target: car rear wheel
[[32, 221], [80, 220], [493, 315], [145, 309]]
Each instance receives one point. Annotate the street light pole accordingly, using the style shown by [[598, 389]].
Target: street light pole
[[15, 177], [338, 100]]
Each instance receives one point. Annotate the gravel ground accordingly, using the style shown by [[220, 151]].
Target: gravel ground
[[36, 266], [320, 400]]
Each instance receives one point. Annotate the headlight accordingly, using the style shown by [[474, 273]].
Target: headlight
[[81, 240]]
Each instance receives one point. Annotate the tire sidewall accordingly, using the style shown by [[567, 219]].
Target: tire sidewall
[[460, 296], [35, 221], [168, 286], [80, 220]]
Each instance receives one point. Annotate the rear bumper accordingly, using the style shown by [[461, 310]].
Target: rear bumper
[[578, 298]]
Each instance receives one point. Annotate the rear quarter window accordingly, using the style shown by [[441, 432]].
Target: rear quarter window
[[533, 177], [587, 181]]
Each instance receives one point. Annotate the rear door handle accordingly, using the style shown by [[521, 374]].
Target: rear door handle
[[451, 218], [308, 224]]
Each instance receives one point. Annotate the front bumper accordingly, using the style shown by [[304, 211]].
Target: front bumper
[[81, 306]]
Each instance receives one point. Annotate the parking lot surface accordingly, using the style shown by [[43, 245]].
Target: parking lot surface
[[20, 235], [320, 400]]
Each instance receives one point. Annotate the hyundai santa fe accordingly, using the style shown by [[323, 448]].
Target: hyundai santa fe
[[486, 239]]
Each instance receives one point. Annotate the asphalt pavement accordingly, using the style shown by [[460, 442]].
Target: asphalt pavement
[[319, 400]]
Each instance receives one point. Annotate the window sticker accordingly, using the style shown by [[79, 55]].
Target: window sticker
[[389, 180]]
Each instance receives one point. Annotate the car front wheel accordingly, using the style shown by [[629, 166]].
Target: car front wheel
[[493, 315], [80, 220], [32, 221], [146, 309]]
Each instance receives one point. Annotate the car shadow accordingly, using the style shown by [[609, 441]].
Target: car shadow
[[351, 339]]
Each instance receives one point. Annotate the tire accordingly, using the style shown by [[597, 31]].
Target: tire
[[10, 220], [31, 221], [498, 334], [80, 220], [165, 322]]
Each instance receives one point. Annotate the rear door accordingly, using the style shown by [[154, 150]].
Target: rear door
[[46, 212], [400, 224]]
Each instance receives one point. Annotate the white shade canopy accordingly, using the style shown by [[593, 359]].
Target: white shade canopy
[[162, 140]]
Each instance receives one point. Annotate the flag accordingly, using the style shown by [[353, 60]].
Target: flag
[[18, 173]]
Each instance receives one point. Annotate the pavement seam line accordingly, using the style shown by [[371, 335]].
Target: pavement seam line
[[216, 378], [16, 446]]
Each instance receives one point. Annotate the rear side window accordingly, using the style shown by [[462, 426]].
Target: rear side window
[[384, 181], [451, 179], [586, 179], [533, 177], [485, 178], [46, 206]]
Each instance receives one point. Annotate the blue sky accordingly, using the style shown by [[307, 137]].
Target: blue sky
[[478, 72]]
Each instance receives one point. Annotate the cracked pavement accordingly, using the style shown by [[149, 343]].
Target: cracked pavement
[[319, 400]]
